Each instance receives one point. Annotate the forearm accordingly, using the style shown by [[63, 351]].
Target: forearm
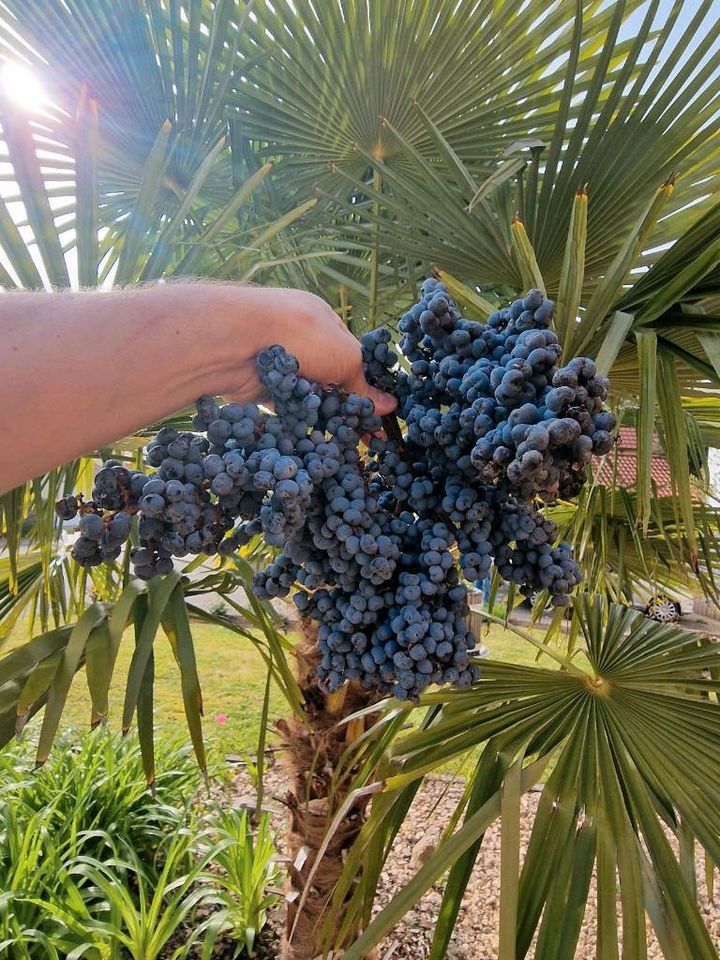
[[78, 371], [81, 370]]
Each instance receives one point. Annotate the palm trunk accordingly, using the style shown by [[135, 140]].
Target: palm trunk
[[313, 749]]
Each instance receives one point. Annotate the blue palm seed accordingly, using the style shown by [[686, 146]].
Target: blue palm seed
[[222, 484], [91, 526]]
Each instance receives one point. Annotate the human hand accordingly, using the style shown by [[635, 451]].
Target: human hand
[[307, 327], [131, 357]]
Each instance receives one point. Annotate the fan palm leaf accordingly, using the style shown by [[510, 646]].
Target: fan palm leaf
[[622, 113], [144, 64], [327, 78], [630, 726], [133, 140]]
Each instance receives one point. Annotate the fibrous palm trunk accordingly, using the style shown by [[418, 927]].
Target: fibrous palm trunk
[[314, 747]]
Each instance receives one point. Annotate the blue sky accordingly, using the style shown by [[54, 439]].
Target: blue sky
[[688, 10]]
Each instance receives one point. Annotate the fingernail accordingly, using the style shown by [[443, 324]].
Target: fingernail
[[388, 401]]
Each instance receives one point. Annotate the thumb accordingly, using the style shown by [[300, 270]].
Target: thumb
[[384, 402]]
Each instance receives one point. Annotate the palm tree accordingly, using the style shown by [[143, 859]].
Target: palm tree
[[416, 179], [403, 138]]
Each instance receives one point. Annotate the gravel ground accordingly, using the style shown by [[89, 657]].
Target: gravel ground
[[475, 935]]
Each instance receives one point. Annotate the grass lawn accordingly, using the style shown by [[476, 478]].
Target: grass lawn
[[505, 645], [232, 674]]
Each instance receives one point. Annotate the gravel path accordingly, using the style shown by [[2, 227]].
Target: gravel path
[[475, 935]]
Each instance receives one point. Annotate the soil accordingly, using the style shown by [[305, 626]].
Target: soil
[[475, 936]]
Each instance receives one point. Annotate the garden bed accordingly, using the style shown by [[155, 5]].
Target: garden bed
[[475, 936]]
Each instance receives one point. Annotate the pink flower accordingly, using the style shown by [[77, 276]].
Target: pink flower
[[221, 718]]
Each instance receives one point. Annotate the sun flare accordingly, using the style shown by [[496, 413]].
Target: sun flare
[[21, 85]]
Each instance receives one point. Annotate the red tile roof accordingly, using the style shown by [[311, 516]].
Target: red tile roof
[[627, 438], [620, 465]]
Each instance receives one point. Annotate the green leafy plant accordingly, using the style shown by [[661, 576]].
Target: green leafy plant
[[248, 878], [93, 864], [87, 802], [141, 908], [95, 782]]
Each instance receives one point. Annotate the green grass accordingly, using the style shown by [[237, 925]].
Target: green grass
[[233, 675], [505, 645]]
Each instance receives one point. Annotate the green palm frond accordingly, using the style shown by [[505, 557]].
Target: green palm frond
[[143, 64], [37, 674], [628, 565], [325, 79], [622, 115], [135, 142], [631, 727], [345, 109]]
